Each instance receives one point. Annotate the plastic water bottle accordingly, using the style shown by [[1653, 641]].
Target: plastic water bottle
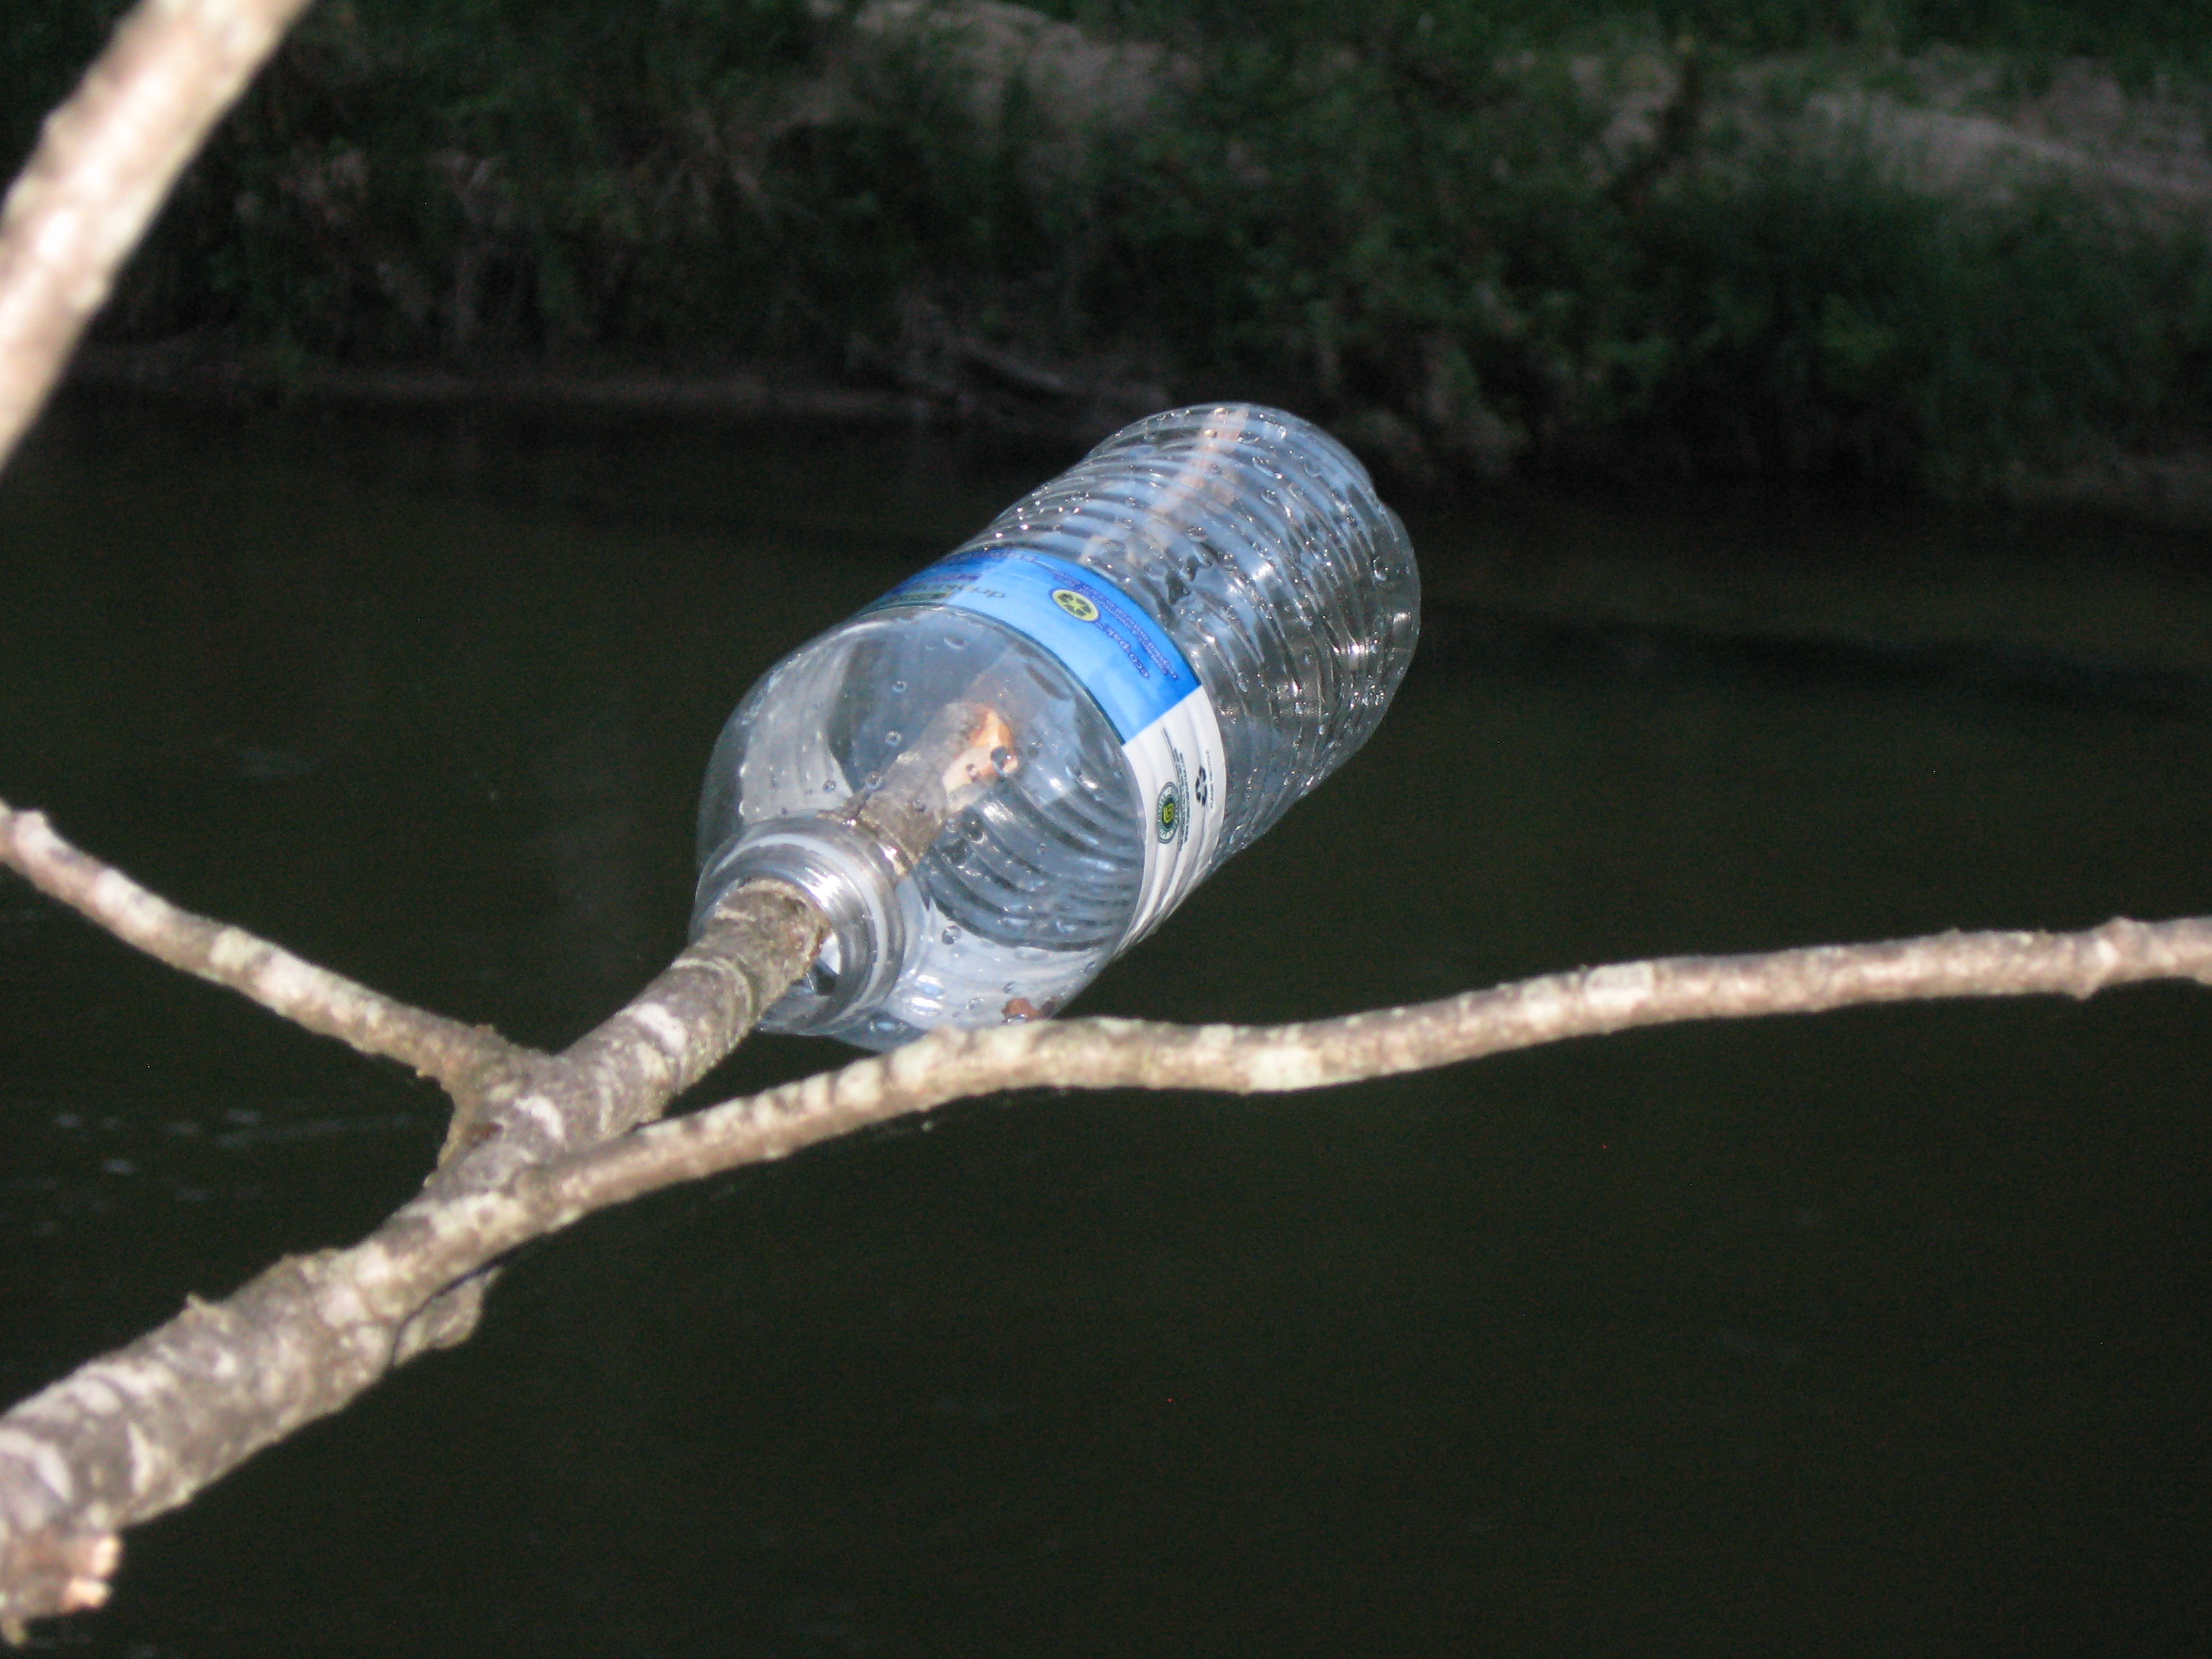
[[1014, 765]]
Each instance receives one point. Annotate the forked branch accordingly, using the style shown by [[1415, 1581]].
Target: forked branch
[[144, 1428]]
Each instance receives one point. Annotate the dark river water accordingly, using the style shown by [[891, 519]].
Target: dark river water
[[1884, 1332]]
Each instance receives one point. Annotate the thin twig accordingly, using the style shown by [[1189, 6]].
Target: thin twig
[[1108, 1053], [459, 1056], [104, 161], [619, 1075]]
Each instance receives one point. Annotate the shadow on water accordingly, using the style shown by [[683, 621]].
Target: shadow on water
[[1878, 1332]]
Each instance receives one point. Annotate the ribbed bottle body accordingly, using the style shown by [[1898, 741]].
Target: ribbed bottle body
[[1177, 639], [1258, 541]]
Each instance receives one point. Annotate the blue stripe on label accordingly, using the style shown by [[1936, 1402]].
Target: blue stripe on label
[[1120, 655]]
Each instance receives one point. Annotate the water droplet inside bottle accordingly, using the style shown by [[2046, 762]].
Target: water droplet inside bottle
[[1004, 759], [898, 686], [892, 739], [951, 936], [874, 778]]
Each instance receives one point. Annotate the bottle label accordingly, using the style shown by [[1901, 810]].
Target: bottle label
[[1138, 677]]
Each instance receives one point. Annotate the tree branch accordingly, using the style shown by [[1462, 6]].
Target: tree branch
[[460, 1057], [1119, 1053], [142, 1430], [672, 1033], [665, 1040], [106, 161]]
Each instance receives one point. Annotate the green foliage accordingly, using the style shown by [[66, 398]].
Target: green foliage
[[2150, 34], [477, 174], [1440, 247], [1823, 321], [1406, 217]]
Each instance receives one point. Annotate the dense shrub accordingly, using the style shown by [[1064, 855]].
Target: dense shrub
[[1421, 220]]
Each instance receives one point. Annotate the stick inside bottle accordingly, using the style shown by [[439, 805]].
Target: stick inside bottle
[[965, 749]]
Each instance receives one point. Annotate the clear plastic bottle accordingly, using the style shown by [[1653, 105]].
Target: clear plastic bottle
[[1012, 766]]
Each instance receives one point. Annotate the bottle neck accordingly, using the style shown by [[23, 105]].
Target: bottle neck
[[852, 881], [854, 863]]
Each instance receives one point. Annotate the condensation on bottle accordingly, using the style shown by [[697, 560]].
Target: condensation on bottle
[[1017, 763]]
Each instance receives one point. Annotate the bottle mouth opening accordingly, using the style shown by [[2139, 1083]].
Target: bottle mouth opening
[[852, 883]]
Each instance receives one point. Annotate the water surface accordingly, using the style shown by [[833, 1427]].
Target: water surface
[[1883, 1332]]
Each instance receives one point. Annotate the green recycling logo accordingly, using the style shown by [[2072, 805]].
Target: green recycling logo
[[1171, 811], [1075, 604]]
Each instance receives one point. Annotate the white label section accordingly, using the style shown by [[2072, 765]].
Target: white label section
[[1177, 762]]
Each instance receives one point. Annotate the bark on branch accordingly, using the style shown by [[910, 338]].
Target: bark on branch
[[140, 1430], [104, 161], [1120, 1054], [460, 1057]]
